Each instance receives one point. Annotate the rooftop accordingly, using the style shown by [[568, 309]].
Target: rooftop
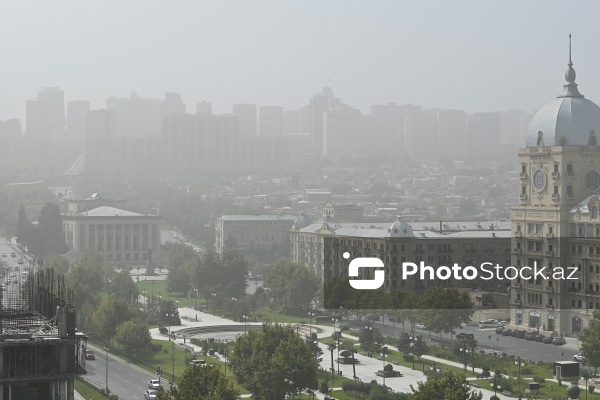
[[260, 217], [107, 211]]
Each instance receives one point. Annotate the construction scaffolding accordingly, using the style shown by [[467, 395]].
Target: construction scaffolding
[[40, 350]]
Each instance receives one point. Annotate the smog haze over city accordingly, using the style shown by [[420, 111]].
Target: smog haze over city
[[344, 199]]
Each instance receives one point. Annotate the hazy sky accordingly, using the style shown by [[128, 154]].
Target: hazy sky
[[471, 55]]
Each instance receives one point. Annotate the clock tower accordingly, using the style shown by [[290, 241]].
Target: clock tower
[[556, 224]]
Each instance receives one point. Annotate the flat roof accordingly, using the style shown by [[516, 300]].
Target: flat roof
[[261, 217]]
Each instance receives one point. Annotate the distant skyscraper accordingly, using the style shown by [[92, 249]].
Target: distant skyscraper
[[422, 136], [45, 115], [77, 113], [513, 126], [292, 121], [247, 114], [484, 134], [136, 117], [343, 132], [452, 133], [204, 108], [387, 124], [319, 104], [172, 104], [270, 121], [10, 132]]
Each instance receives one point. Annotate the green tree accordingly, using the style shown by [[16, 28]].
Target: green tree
[[590, 342], [23, 229], [122, 286], [133, 336], [59, 263], [110, 314], [263, 360], [450, 386], [292, 286], [370, 338], [201, 383], [444, 309], [50, 227]]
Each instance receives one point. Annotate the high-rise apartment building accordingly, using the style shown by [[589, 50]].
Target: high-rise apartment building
[[270, 121], [452, 133], [484, 135], [343, 133], [292, 121], [45, 116], [173, 105], [77, 113], [388, 124], [204, 107], [247, 118], [136, 117], [512, 125], [422, 136], [319, 104]]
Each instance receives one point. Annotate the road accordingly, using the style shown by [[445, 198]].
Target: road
[[488, 339], [124, 379]]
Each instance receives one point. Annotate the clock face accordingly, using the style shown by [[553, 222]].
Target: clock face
[[539, 180], [591, 180]]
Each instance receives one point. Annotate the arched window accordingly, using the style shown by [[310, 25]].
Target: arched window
[[592, 140], [594, 212], [563, 141], [540, 139]]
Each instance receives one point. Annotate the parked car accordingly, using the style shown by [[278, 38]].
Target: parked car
[[13, 254], [20, 261], [150, 395], [514, 333], [539, 338], [578, 357], [530, 335], [197, 362], [4, 254], [465, 335], [558, 341], [154, 384], [547, 340], [502, 323], [499, 329], [89, 355], [420, 326], [506, 332]]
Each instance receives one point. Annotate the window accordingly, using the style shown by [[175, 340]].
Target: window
[[523, 168], [569, 169], [570, 190], [555, 189], [555, 168]]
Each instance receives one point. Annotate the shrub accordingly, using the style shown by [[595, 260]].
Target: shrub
[[526, 371], [155, 346], [388, 367], [559, 382], [482, 351], [591, 388], [313, 336], [324, 387], [163, 330], [504, 354], [408, 357], [494, 397], [485, 368], [539, 379]]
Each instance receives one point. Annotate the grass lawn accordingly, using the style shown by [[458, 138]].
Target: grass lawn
[[547, 389], [340, 394], [87, 392], [160, 287]]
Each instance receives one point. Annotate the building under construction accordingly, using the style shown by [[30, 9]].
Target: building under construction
[[40, 350]]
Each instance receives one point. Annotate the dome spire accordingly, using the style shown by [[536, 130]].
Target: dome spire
[[570, 89]]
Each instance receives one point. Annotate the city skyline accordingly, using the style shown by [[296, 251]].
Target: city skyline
[[468, 56]]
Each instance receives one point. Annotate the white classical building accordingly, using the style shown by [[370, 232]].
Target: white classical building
[[120, 236]]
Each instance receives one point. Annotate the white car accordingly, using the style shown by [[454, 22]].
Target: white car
[[154, 384], [420, 326], [578, 357], [150, 395]]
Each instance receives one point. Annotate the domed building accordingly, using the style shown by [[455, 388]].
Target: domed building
[[555, 223]]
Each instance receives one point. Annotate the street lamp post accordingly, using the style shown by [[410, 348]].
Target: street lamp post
[[369, 330], [225, 354], [519, 363], [464, 349], [384, 349], [331, 348], [213, 302], [311, 314], [145, 299], [106, 367], [353, 363], [337, 339], [245, 321]]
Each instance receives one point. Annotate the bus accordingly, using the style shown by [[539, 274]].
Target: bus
[[490, 323]]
